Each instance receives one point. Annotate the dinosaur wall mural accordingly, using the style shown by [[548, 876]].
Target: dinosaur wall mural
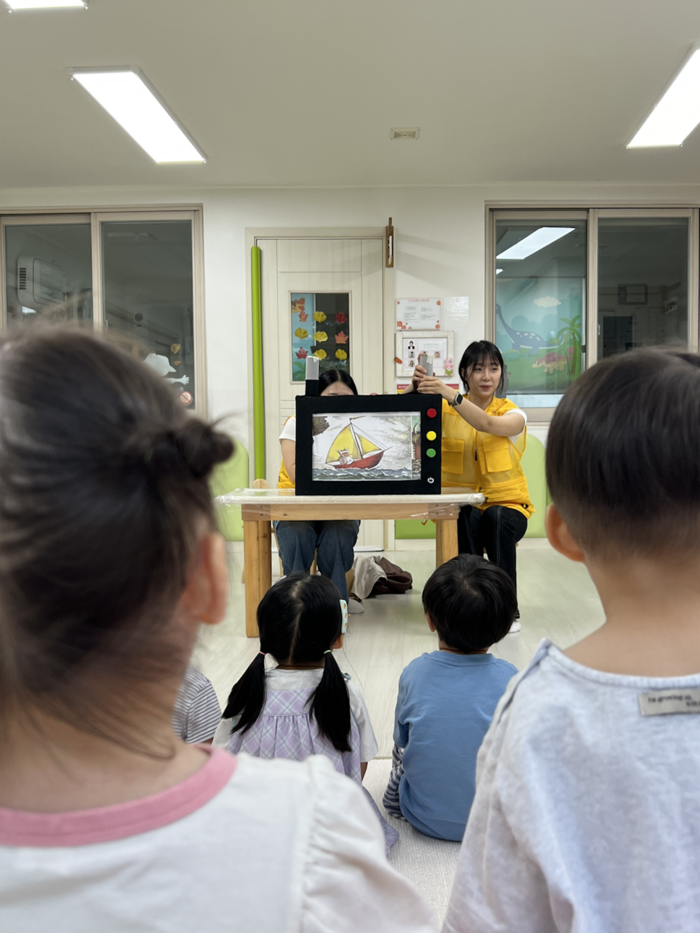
[[542, 363], [523, 340]]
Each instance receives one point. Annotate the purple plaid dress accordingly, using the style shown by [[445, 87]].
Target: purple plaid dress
[[286, 729]]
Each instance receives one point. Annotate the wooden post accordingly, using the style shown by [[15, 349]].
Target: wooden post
[[251, 557], [265, 556], [446, 540]]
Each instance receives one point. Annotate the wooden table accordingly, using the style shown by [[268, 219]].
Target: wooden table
[[259, 507]]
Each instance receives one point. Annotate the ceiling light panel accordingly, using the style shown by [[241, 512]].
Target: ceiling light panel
[[129, 100], [534, 242], [46, 4], [677, 113]]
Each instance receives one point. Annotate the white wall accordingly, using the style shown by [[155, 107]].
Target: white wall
[[439, 244]]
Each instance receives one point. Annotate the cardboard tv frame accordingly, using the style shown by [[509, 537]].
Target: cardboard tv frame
[[428, 406]]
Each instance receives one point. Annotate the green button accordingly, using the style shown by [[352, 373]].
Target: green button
[[431, 452]]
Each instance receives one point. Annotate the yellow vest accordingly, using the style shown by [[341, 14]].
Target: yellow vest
[[484, 462], [284, 480]]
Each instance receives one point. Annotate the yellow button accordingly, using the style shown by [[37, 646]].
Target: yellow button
[[431, 435]]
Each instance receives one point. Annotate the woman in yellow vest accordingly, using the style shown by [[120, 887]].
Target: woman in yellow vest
[[332, 542], [483, 440]]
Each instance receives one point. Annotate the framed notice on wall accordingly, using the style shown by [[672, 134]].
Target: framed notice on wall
[[439, 347], [418, 313]]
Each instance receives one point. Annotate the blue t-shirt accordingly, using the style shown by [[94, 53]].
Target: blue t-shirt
[[445, 705]]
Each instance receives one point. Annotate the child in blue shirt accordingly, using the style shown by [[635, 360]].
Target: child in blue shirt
[[447, 698]]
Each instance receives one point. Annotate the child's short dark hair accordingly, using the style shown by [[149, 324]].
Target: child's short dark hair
[[623, 454], [471, 602]]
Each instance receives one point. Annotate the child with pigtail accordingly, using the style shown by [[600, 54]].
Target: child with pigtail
[[293, 700]]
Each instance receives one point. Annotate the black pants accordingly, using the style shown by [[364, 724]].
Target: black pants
[[497, 529]]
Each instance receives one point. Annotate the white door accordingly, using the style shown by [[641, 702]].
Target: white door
[[319, 296]]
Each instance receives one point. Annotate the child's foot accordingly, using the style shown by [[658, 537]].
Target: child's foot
[[354, 605]]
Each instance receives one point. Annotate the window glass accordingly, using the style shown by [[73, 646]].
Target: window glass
[[642, 283], [320, 327], [48, 272], [540, 307], [148, 295]]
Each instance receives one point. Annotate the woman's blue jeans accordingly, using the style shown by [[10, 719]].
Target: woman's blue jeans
[[331, 542]]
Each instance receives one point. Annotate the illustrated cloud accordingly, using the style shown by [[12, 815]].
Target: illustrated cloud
[[548, 302]]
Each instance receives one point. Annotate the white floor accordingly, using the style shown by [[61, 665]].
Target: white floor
[[557, 601]]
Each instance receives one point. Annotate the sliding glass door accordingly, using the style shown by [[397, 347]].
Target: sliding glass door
[[136, 274]]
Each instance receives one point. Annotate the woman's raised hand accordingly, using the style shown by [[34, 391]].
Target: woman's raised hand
[[419, 374], [431, 385]]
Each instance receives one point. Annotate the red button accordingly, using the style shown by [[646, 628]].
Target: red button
[[431, 413]]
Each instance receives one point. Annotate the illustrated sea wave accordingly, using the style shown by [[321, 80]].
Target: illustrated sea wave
[[377, 473]]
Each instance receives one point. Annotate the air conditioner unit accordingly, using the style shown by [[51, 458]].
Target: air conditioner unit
[[39, 282]]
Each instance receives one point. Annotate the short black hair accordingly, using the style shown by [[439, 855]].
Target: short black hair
[[471, 602], [477, 353], [623, 454], [326, 379]]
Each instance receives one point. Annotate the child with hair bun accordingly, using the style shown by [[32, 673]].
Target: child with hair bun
[[293, 700], [109, 564]]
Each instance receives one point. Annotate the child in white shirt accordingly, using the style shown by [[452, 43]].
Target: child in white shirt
[[587, 814], [109, 564]]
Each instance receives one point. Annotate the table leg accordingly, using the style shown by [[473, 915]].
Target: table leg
[[251, 571], [265, 553], [446, 541]]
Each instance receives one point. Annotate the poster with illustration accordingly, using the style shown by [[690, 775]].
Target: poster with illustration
[[368, 445], [438, 347], [321, 328], [358, 446]]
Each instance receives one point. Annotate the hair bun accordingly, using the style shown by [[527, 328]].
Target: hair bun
[[190, 451], [202, 447]]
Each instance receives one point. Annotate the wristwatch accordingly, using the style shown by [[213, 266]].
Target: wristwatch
[[457, 400]]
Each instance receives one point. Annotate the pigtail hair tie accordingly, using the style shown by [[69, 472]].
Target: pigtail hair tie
[[328, 651], [263, 653]]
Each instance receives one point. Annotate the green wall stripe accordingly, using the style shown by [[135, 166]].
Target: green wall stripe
[[258, 394]]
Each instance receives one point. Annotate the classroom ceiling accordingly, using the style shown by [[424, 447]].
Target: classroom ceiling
[[304, 92]]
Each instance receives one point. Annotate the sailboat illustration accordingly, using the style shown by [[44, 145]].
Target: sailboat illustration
[[353, 450]]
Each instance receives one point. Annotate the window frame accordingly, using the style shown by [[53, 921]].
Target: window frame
[[193, 213], [592, 215]]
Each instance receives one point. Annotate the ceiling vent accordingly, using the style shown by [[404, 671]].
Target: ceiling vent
[[404, 132]]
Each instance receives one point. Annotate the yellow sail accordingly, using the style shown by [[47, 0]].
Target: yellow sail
[[344, 441], [367, 446]]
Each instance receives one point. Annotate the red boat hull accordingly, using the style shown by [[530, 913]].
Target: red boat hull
[[365, 463]]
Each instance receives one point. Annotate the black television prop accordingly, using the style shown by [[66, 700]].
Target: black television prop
[[351, 445]]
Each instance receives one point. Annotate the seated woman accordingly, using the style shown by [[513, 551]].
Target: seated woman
[[331, 542], [483, 440]]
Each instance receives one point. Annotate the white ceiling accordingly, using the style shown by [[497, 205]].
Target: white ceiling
[[303, 92]]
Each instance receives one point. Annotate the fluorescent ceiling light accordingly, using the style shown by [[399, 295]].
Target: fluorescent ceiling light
[[534, 241], [126, 97], [498, 271], [45, 4], [677, 113]]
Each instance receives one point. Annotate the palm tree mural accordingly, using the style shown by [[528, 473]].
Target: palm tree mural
[[570, 337]]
